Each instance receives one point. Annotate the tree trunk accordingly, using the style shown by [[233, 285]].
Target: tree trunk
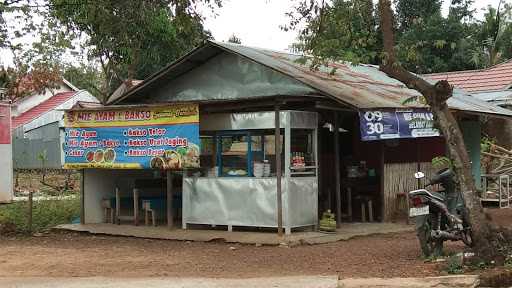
[[436, 96]]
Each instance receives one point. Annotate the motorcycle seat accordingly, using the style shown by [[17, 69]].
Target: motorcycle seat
[[424, 192]]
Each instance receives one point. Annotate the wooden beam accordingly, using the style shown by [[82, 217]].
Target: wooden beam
[[383, 204], [136, 206], [118, 206], [337, 167], [170, 217], [82, 197], [278, 171]]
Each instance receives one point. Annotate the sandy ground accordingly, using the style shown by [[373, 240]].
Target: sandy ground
[[78, 255]]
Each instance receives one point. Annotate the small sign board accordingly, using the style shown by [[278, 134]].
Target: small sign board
[[396, 123], [6, 167], [135, 137]]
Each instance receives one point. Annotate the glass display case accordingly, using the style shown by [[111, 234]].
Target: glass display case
[[232, 154]]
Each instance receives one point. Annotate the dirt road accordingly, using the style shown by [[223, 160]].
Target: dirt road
[[72, 255], [83, 255]]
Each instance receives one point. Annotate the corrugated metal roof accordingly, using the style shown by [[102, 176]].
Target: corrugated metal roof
[[497, 77], [359, 86], [41, 108], [496, 97]]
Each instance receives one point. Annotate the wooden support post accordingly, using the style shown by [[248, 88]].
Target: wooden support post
[[30, 209], [383, 205], [370, 210], [337, 168], [135, 206], [363, 211], [118, 206], [170, 218], [112, 215], [278, 171], [82, 196], [349, 203]]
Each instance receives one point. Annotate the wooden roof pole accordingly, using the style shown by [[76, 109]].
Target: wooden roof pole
[[337, 168], [278, 171]]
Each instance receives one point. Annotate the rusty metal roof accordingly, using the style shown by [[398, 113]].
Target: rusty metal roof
[[358, 86]]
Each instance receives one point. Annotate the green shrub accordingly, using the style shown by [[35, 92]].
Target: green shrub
[[454, 265], [46, 214]]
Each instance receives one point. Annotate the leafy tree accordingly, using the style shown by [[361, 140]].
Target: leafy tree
[[133, 39], [86, 77], [234, 39], [412, 12], [437, 44], [495, 35], [344, 30], [487, 241], [22, 80], [426, 41]]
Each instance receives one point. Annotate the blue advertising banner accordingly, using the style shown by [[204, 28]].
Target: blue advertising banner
[[134, 138], [396, 123]]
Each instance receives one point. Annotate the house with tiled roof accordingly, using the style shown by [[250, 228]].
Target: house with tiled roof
[[38, 128], [493, 85]]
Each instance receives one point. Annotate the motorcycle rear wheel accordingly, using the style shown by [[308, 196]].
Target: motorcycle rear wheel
[[429, 247]]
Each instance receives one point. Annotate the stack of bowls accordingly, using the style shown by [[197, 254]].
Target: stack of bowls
[[266, 169], [258, 169]]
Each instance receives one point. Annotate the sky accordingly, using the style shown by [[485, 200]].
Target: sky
[[257, 22]]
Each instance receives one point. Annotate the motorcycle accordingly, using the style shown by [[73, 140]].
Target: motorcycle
[[440, 216]]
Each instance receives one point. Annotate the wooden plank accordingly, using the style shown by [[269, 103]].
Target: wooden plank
[[30, 209], [277, 132], [170, 216], [337, 169]]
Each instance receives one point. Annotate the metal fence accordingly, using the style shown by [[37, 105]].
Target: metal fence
[[41, 149]]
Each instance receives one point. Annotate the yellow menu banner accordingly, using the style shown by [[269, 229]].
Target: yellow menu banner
[[133, 116]]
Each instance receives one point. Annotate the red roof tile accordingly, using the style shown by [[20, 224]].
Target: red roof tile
[[41, 108], [498, 77]]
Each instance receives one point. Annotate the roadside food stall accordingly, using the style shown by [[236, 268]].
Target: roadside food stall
[[236, 185], [219, 171]]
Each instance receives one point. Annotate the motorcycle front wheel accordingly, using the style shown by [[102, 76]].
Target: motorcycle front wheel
[[429, 247]]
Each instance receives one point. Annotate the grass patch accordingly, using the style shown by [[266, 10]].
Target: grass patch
[[454, 265], [46, 214]]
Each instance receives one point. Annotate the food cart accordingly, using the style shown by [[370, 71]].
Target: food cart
[[237, 182]]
